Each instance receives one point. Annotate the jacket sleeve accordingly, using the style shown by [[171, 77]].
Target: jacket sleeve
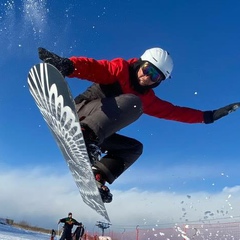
[[154, 106], [75, 222], [98, 71], [62, 220]]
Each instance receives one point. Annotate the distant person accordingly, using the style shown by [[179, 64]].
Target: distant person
[[78, 233], [69, 222], [121, 92], [53, 234]]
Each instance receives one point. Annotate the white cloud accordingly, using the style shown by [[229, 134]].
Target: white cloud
[[180, 177], [42, 196]]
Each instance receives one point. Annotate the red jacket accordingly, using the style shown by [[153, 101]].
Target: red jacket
[[117, 70]]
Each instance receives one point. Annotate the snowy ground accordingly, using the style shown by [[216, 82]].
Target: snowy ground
[[10, 233]]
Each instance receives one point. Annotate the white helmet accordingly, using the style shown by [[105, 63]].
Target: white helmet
[[160, 59]]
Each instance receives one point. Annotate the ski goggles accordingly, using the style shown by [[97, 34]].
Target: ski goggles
[[151, 71]]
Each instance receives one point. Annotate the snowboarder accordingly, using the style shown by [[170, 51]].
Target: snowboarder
[[79, 231], [69, 222], [121, 92]]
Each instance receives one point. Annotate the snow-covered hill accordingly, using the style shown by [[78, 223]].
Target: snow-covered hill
[[11, 233]]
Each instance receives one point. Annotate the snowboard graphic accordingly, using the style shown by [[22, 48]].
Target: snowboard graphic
[[55, 102]]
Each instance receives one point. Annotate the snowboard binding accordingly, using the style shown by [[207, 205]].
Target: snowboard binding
[[94, 153], [103, 189]]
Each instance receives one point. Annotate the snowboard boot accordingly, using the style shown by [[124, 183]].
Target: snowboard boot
[[91, 140], [103, 189], [94, 154]]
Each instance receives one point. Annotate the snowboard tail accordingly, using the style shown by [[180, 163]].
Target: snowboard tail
[[56, 104]]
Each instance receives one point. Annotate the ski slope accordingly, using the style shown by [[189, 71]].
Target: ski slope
[[11, 233]]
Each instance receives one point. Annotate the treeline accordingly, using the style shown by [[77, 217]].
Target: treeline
[[25, 225]]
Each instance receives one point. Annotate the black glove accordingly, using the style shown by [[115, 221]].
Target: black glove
[[211, 116], [64, 65]]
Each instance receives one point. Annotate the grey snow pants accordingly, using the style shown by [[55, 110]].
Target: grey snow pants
[[105, 117]]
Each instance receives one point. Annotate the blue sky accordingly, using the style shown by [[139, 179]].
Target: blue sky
[[178, 159]]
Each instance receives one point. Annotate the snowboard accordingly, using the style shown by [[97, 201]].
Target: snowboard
[[56, 104]]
